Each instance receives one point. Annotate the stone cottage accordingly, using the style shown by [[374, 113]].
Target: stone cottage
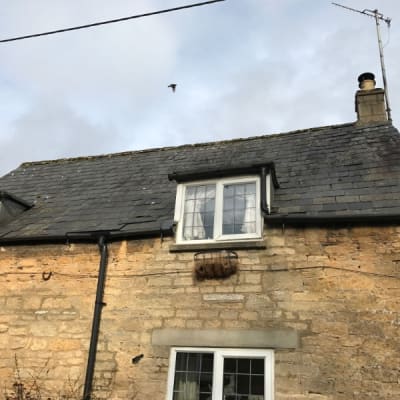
[[264, 268]]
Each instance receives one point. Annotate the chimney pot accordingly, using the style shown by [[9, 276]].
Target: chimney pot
[[366, 81]]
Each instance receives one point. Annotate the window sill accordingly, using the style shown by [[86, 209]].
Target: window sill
[[245, 245]]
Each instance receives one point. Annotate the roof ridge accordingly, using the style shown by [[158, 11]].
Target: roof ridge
[[200, 144]]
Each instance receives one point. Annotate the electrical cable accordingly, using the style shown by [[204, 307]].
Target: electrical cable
[[165, 273], [110, 21]]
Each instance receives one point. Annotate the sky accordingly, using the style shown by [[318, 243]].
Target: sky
[[242, 68]]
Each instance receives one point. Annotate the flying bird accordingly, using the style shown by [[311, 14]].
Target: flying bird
[[172, 86]]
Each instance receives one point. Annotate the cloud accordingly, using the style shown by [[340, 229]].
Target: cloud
[[243, 68], [51, 129]]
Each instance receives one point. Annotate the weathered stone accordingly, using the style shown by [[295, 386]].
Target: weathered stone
[[337, 290]]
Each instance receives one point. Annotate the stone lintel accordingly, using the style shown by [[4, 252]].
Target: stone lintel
[[237, 338]]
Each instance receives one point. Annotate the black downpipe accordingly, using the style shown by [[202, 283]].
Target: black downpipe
[[264, 204], [96, 318]]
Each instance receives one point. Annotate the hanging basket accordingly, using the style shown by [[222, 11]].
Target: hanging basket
[[215, 264]]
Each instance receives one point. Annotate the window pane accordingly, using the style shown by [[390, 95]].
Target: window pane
[[249, 228], [241, 380], [230, 384], [194, 360], [205, 383], [189, 206], [257, 366], [228, 229], [239, 200], [199, 209], [179, 377], [210, 191], [181, 361], [228, 217], [200, 191], [240, 189], [189, 220], [190, 383], [187, 233], [243, 384], [257, 385], [244, 365], [250, 215], [229, 190], [210, 205], [208, 219], [228, 203], [251, 188], [230, 365], [190, 192], [207, 364]]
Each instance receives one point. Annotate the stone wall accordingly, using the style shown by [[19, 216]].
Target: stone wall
[[339, 289]]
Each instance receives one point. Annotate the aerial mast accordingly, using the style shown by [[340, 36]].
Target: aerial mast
[[378, 17]]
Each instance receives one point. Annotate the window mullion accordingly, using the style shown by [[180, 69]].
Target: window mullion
[[259, 218], [218, 376], [218, 210]]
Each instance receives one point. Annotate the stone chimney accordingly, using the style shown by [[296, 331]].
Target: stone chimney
[[370, 101]]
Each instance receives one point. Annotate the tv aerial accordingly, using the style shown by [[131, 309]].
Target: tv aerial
[[378, 17]]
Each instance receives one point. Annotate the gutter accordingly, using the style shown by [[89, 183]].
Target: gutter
[[88, 237], [265, 209], [325, 219], [99, 304]]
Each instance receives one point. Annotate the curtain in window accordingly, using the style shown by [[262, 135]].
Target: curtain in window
[[193, 376], [249, 216], [199, 212], [239, 209], [198, 231], [187, 391]]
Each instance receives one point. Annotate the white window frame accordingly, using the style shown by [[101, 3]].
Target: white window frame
[[219, 354], [219, 186]]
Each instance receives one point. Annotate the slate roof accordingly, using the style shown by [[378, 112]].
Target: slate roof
[[342, 171]]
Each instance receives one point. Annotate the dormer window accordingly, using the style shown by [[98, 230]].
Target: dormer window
[[219, 209], [226, 205]]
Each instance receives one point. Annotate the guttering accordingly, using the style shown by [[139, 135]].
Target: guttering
[[99, 304], [325, 219], [88, 237]]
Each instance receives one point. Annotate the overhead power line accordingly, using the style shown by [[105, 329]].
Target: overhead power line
[[110, 21]]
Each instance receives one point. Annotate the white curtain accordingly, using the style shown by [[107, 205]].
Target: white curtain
[[188, 391], [249, 218], [198, 231]]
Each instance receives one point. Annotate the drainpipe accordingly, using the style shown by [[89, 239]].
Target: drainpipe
[[96, 318], [264, 203]]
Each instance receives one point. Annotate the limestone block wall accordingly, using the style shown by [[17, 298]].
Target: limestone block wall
[[339, 288]]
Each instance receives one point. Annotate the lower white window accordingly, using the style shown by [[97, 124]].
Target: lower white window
[[220, 374]]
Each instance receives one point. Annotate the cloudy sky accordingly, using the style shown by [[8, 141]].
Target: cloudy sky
[[243, 68]]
